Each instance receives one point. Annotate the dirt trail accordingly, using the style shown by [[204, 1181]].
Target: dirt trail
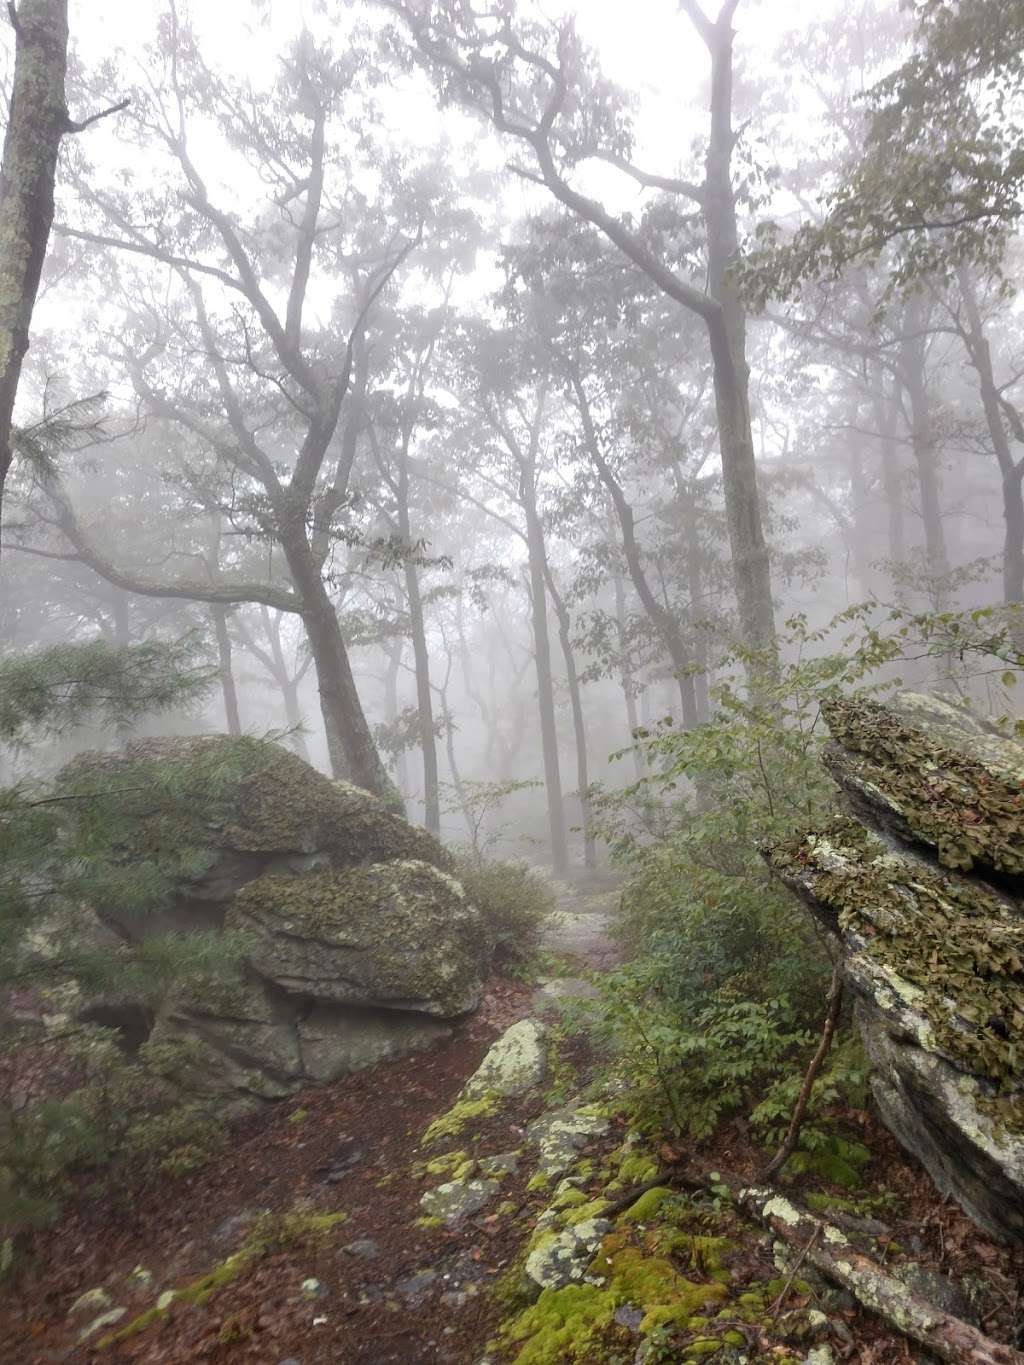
[[388, 1290]]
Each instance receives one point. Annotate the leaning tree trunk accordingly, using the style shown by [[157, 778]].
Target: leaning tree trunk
[[661, 618], [353, 754], [37, 121]]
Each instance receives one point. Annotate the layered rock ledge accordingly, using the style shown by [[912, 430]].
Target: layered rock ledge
[[919, 890]]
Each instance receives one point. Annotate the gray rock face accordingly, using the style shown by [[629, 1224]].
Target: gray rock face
[[933, 954], [360, 945], [457, 1199], [515, 1064]]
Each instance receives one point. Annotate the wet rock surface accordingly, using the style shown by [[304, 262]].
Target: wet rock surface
[[920, 893], [360, 945]]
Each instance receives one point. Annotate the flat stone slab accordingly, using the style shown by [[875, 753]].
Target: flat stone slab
[[457, 1199]]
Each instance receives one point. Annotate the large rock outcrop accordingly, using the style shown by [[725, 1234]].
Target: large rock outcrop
[[920, 888], [358, 943]]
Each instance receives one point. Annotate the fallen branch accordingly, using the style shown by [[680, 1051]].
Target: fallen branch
[[833, 1004], [834, 1255]]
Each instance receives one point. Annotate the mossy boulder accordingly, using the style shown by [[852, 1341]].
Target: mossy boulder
[[359, 944], [933, 954], [400, 935]]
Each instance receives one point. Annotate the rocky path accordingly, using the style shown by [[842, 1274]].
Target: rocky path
[[389, 1287], [580, 931]]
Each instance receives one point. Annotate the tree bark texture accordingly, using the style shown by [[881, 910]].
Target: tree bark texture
[[578, 723], [38, 120], [922, 439], [421, 655]]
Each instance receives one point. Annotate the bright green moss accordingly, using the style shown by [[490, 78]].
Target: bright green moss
[[647, 1206], [566, 1325], [463, 1112]]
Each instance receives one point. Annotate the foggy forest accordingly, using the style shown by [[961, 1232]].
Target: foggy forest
[[511, 616]]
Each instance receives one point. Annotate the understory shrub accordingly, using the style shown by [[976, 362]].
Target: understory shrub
[[119, 1112], [515, 901], [721, 1005]]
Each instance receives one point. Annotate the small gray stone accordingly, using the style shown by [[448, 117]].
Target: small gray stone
[[414, 1288], [364, 1247], [457, 1199], [561, 1133], [563, 1258], [502, 1163], [626, 1315]]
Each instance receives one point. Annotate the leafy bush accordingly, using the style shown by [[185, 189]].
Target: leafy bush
[[723, 998], [515, 902]]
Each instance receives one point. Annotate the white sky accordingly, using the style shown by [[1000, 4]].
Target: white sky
[[646, 46]]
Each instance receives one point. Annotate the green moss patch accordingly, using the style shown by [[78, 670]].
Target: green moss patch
[[459, 1116]]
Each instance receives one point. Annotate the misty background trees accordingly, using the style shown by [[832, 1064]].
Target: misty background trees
[[474, 421]]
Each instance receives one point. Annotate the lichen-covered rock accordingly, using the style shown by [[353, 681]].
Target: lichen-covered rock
[[515, 1064], [359, 943], [932, 774], [400, 935], [457, 1199], [934, 955], [560, 1133], [562, 1258]]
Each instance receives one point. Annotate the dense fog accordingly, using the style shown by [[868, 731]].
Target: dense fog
[[380, 349]]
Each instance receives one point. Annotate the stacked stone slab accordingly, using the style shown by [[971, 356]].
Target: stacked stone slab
[[358, 942], [920, 888]]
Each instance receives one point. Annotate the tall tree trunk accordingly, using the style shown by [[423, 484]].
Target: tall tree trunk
[[912, 366], [626, 676], [1011, 471], [38, 119], [578, 723], [886, 409], [224, 670], [353, 754], [545, 684], [395, 650], [727, 329], [421, 656], [661, 618]]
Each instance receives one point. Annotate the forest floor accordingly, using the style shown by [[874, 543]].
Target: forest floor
[[379, 1286]]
